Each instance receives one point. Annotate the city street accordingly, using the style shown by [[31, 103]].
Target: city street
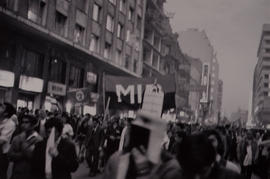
[[82, 173]]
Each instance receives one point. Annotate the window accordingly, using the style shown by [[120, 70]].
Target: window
[[127, 61], [156, 42], [37, 11], [130, 13], [266, 76], [267, 50], [32, 63], [155, 62], [122, 6], [266, 85], [110, 23], [135, 65], [265, 93], [94, 43], [7, 56], [57, 70], [139, 22], [107, 50], [120, 31], [165, 50], [118, 57], [76, 77], [61, 24], [81, 4], [128, 35], [96, 12], [267, 42], [79, 34]]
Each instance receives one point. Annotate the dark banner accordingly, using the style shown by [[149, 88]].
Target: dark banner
[[127, 92]]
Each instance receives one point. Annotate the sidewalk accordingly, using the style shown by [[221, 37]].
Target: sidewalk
[[82, 173]]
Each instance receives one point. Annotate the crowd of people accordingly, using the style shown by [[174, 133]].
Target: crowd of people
[[42, 145]]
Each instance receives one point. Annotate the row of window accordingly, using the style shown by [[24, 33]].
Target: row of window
[[32, 65]]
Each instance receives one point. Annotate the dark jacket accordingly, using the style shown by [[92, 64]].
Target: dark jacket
[[94, 138], [22, 157], [218, 172], [62, 165]]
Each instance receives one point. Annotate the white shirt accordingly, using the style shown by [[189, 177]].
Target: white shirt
[[7, 128], [67, 131]]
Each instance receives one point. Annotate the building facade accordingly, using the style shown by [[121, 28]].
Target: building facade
[[196, 44], [162, 54], [49, 47], [195, 81], [261, 87]]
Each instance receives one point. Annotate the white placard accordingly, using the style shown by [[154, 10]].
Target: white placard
[[91, 78], [56, 88], [33, 84], [153, 100], [6, 78]]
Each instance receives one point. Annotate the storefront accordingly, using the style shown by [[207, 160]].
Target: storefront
[[30, 89], [6, 82], [56, 96]]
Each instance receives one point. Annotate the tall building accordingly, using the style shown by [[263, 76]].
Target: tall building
[[195, 81], [261, 87], [220, 96], [49, 47], [161, 51], [214, 90], [239, 118], [196, 44]]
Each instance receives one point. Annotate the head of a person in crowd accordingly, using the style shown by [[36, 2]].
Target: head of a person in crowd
[[196, 156], [57, 124], [28, 122], [179, 136], [215, 138], [95, 121], [36, 113], [128, 121], [266, 146], [6, 110], [249, 136], [65, 117], [42, 114]]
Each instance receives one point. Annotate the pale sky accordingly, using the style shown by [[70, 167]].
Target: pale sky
[[234, 28]]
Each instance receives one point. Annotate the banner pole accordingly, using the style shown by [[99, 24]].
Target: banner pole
[[103, 91], [106, 112]]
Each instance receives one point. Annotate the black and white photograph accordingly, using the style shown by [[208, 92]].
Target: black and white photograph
[[134, 89]]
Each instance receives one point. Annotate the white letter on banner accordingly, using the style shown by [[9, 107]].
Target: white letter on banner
[[139, 93], [130, 89]]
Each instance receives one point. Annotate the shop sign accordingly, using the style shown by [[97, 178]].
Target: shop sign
[[91, 78], [33, 84], [57, 89], [6, 78]]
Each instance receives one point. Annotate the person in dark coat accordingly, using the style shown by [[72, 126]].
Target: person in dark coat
[[22, 148], [63, 155], [93, 146], [197, 158]]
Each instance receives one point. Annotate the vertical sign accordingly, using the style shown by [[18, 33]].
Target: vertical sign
[[205, 82]]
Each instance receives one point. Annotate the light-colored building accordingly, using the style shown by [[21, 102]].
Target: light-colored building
[[196, 44], [195, 81], [261, 80], [239, 118]]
